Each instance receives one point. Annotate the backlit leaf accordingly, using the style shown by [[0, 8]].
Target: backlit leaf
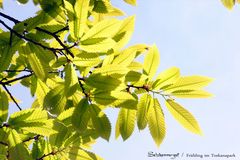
[[3, 106], [81, 115], [156, 122], [228, 3], [103, 29], [100, 122], [151, 62], [142, 111], [126, 122], [184, 117]]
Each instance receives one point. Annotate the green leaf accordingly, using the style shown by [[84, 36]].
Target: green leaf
[[191, 94], [66, 115], [125, 32], [55, 100], [71, 80], [151, 62], [81, 115], [35, 63], [105, 83], [6, 54], [16, 147], [103, 29], [77, 16], [1, 6], [41, 91], [102, 6], [142, 112], [115, 98], [81, 13], [22, 1], [156, 122], [126, 122], [100, 122], [228, 3], [33, 121], [184, 117], [132, 2], [125, 58], [86, 60], [97, 45], [133, 76], [3, 106], [189, 83], [112, 70], [166, 78], [76, 153]]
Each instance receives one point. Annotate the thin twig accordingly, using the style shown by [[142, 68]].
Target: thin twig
[[11, 96], [16, 79]]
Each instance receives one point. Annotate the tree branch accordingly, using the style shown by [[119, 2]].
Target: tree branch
[[49, 154], [16, 79], [11, 96], [54, 35]]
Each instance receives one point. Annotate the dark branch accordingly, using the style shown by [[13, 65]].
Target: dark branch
[[16, 79], [11, 96], [3, 143], [9, 18], [54, 34], [57, 39], [32, 138], [63, 29], [49, 154], [82, 87]]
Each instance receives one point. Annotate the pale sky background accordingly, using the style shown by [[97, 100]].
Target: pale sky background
[[200, 37]]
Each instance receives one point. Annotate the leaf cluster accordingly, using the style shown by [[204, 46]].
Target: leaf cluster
[[72, 56]]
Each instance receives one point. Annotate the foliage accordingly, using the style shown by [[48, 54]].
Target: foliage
[[229, 3], [73, 59]]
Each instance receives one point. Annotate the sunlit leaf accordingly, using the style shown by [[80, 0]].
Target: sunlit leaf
[[228, 3], [100, 122], [3, 106], [81, 115], [142, 112], [126, 122], [151, 62], [156, 122], [184, 117]]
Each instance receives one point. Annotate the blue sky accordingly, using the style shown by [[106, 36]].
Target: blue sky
[[201, 37]]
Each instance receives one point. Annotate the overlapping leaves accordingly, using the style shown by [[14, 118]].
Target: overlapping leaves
[[78, 66]]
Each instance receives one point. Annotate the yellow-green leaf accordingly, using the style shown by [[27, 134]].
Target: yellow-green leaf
[[105, 83], [228, 3], [41, 92], [71, 80], [81, 13], [103, 29], [191, 94], [35, 63], [127, 119], [156, 122], [81, 116], [151, 62], [189, 83], [3, 106], [184, 117], [125, 32], [100, 122], [142, 112], [97, 45], [114, 98], [132, 2], [112, 70], [166, 78]]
